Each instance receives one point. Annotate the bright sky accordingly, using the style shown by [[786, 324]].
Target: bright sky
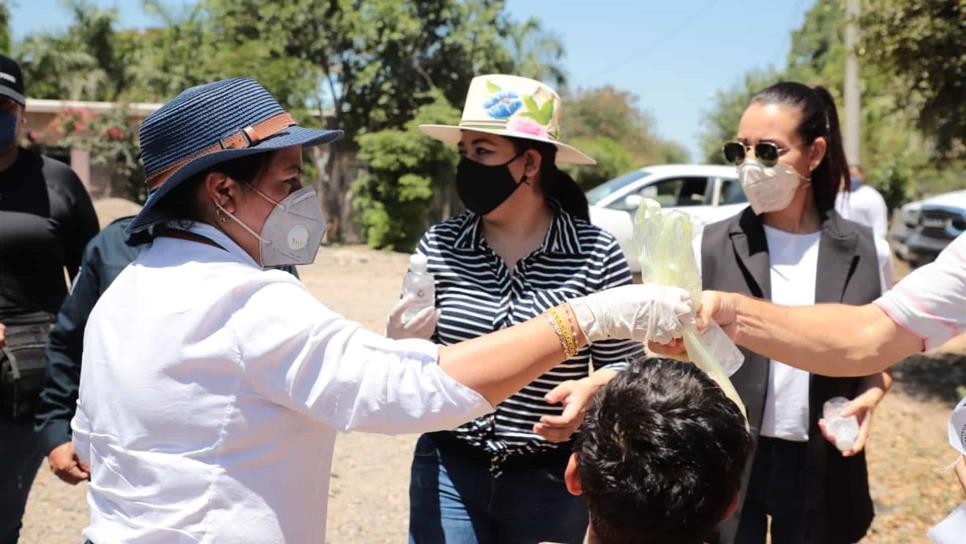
[[674, 54]]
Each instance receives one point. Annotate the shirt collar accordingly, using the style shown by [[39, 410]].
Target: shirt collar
[[470, 232], [561, 237], [220, 238]]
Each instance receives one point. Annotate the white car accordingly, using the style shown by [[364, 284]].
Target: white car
[[707, 193]]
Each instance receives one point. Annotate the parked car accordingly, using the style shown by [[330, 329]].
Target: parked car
[[707, 193], [926, 227]]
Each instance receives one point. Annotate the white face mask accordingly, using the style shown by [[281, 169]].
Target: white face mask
[[768, 188], [293, 231]]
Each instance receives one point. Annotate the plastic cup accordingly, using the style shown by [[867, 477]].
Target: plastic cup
[[844, 429]]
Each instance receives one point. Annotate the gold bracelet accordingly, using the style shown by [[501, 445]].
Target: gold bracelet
[[573, 329], [558, 332], [564, 332]]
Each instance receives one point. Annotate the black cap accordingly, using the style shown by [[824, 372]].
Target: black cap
[[11, 80]]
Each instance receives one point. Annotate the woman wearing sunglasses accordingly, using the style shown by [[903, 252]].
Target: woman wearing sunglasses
[[790, 246]]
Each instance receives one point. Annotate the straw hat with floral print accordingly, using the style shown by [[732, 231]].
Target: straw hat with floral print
[[514, 107]]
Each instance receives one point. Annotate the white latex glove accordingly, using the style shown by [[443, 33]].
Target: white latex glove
[[636, 312], [420, 325]]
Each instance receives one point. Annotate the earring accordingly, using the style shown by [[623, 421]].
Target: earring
[[222, 216]]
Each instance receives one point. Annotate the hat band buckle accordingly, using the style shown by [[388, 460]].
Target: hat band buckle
[[246, 137]]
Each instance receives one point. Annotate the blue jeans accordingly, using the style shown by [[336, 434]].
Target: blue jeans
[[454, 499], [779, 478], [20, 457]]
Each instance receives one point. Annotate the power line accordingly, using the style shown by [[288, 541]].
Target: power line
[[636, 54]]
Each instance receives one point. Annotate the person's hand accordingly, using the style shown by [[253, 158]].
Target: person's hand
[[633, 312], [3, 335], [65, 464], [715, 305], [722, 308], [673, 349], [420, 325], [575, 396], [862, 407]]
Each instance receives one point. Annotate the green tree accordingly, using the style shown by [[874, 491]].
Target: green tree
[[405, 170], [82, 64], [6, 42], [536, 53], [921, 45], [607, 124], [179, 52], [371, 63]]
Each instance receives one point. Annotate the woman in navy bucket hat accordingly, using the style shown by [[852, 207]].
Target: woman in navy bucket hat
[[212, 388]]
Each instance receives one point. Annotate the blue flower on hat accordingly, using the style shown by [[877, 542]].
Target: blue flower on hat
[[503, 104]]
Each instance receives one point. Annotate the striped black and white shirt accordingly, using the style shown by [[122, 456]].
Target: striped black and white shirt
[[477, 295]]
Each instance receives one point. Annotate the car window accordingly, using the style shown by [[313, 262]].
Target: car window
[[731, 193], [686, 191], [600, 192]]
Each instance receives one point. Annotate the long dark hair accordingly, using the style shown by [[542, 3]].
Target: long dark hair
[[819, 119], [556, 184]]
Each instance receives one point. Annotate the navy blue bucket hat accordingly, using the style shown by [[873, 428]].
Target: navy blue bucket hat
[[210, 124]]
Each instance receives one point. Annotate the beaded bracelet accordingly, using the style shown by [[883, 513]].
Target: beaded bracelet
[[564, 332]]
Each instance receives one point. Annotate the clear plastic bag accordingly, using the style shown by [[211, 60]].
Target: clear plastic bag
[[663, 239]]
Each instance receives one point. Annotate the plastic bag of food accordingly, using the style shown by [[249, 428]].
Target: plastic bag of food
[[663, 239]]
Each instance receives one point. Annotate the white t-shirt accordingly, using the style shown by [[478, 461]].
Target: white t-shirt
[[931, 302], [864, 206], [794, 263]]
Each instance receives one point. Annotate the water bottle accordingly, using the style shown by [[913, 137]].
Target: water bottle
[[420, 284], [844, 429]]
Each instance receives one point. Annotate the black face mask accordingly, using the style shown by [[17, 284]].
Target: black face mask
[[483, 187]]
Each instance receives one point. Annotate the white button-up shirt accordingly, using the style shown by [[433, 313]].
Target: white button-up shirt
[[212, 390]]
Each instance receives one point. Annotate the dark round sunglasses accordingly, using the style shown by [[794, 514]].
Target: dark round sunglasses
[[766, 152]]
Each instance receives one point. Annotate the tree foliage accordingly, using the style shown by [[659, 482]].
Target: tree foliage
[[921, 44], [405, 170], [6, 42], [368, 67], [84, 63], [898, 151], [536, 53], [607, 124]]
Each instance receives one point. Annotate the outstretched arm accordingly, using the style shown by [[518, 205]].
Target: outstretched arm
[[827, 339]]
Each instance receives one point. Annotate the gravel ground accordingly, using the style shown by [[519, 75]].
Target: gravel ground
[[368, 497]]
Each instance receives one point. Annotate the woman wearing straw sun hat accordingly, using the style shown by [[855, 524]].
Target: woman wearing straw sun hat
[[212, 388], [523, 246]]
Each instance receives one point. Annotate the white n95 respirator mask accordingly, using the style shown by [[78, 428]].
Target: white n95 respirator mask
[[293, 230], [768, 188]]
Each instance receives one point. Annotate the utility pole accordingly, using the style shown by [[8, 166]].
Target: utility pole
[[852, 104]]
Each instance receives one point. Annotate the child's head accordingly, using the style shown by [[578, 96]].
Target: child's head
[[660, 455]]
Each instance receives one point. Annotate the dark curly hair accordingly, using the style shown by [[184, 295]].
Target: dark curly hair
[[660, 455]]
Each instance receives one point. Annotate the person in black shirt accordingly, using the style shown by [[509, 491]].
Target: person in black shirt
[[46, 219]]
